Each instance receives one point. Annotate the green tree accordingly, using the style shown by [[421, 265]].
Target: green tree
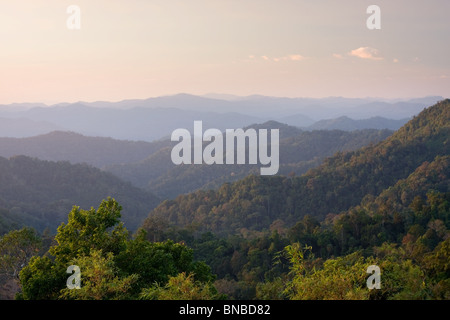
[[41, 279], [437, 265], [100, 279], [155, 262], [344, 278], [90, 229], [16, 249], [112, 265], [181, 287], [336, 279]]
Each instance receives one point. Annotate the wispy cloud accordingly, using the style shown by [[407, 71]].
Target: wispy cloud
[[295, 57], [366, 53], [290, 57]]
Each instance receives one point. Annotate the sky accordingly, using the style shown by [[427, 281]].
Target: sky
[[136, 49]]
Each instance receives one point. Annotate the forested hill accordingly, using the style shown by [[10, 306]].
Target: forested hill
[[299, 151], [39, 193], [76, 148], [146, 165], [340, 183]]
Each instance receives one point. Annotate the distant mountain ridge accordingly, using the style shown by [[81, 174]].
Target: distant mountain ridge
[[77, 148], [155, 118], [348, 124], [24, 127]]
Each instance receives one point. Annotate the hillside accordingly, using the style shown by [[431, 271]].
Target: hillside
[[407, 221], [340, 183], [299, 151], [431, 176], [40, 193], [348, 124], [146, 165], [76, 148]]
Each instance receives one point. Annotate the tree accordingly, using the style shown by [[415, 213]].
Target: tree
[[101, 280], [112, 265], [90, 229], [181, 287], [16, 249], [156, 262], [41, 279]]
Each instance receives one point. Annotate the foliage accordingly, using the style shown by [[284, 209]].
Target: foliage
[[112, 265], [180, 287], [158, 261], [16, 249], [100, 279], [41, 279], [418, 223], [344, 278], [99, 229]]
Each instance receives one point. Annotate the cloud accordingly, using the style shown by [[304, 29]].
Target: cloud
[[366, 53], [291, 57], [296, 57], [338, 56]]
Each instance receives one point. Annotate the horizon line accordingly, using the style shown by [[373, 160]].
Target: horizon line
[[231, 97]]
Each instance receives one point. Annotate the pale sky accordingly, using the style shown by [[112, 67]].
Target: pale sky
[[136, 49]]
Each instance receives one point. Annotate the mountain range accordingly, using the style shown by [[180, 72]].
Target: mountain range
[[43, 176], [147, 165], [155, 118], [341, 182], [348, 124]]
